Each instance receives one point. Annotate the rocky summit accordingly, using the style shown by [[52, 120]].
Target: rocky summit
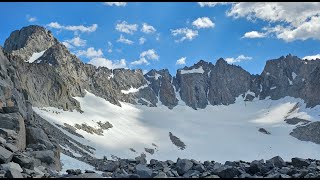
[[30, 146]]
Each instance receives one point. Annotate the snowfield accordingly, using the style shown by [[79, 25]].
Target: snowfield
[[35, 56], [217, 133]]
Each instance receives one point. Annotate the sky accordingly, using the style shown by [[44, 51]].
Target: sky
[[159, 35]]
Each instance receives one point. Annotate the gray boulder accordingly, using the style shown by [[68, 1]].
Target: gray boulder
[[13, 173], [161, 175], [299, 162], [5, 155], [46, 156], [183, 166], [143, 171], [227, 172], [11, 165], [87, 175], [309, 132], [277, 161], [111, 166]]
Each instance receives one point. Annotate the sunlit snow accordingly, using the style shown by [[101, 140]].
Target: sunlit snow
[[35, 56], [217, 133], [198, 70]]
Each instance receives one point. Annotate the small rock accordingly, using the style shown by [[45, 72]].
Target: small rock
[[134, 176], [2, 140], [111, 166], [11, 165], [285, 170], [212, 176], [199, 168], [153, 162], [191, 173], [262, 130], [23, 160], [89, 171], [229, 172], [230, 163], [141, 159], [87, 175], [107, 174], [13, 173], [5, 155], [169, 162], [160, 175], [11, 147]]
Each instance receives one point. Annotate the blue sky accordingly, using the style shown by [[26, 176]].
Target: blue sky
[[111, 34]]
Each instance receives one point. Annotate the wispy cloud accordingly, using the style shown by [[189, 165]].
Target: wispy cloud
[[103, 62], [115, 3], [186, 33], [31, 18], [150, 54], [76, 41], [90, 53], [212, 4], [238, 59], [81, 28], [146, 28], [122, 39]]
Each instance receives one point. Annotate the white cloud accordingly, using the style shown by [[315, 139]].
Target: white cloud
[[126, 28], [185, 33], [313, 57], [31, 18], [103, 62], [238, 59], [140, 61], [142, 40], [81, 28], [68, 45], [115, 3], [122, 39], [212, 4], [55, 25], [150, 54], [147, 28], [76, 41], [90, 53], [290, 21], [109, 47], [203, 22], [254, 34], [181, 61]]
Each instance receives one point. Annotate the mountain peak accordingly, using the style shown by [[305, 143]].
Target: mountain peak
[[221, 61], [28, 40]]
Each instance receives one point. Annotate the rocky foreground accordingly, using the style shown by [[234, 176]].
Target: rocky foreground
[[17, 164]]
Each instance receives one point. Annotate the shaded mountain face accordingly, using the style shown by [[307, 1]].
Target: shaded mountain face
[[40, 68]]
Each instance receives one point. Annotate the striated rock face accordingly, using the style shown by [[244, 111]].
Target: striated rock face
[[57, 76], [291, 76]]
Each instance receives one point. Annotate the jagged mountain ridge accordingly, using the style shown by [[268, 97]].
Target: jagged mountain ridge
[[58, 76]]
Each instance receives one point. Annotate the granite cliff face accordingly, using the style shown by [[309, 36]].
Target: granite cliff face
[[57, 76]]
